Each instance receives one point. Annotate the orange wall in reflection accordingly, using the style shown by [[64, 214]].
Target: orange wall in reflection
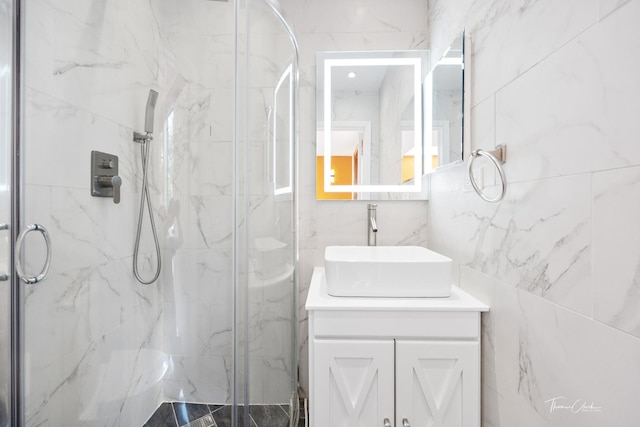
[[341, 165]]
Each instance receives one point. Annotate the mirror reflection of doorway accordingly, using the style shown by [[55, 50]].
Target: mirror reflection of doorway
[[351, 159]]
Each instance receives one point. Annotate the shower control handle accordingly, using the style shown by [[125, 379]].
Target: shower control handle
[[107, 164], [114, 182]]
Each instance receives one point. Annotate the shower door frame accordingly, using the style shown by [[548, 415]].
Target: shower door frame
[[16, 195]]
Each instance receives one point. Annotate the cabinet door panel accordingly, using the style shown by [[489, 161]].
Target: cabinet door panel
[[353, 383], [437, 383]]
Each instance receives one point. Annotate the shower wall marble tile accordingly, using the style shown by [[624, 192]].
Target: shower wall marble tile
[[556, 260], [346, 25], [93, 334]]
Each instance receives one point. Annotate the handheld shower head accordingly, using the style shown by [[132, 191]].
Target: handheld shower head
[[150, 111]]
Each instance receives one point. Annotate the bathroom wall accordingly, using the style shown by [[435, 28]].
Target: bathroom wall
[[327, 25], [93, 334], [557, 259]]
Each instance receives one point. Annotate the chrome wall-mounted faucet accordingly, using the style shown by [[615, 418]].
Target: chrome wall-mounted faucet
[[372, 225]]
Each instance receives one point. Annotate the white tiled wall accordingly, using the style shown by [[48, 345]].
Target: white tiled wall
[[557, 259]]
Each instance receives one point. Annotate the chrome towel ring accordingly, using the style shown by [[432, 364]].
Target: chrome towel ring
[[497, 157], [21, 274]]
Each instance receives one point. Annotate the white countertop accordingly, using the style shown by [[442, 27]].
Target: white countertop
[[318, 299]]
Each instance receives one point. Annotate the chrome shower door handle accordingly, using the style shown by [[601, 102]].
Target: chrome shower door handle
[[21, 274], [386, 422]]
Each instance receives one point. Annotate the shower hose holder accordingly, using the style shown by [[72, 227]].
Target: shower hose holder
[[141, 137]]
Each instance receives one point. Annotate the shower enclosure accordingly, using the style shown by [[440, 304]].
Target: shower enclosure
[[89, 345]]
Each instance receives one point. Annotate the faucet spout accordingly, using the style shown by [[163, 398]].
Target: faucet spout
[[372, 224]]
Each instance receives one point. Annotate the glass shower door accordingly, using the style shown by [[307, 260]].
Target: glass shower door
[[267, 215], [6, 116]]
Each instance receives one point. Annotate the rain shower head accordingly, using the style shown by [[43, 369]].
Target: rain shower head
[[149, 112]]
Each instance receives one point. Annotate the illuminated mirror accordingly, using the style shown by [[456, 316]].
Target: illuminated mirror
[[385, 120], [369, 127]]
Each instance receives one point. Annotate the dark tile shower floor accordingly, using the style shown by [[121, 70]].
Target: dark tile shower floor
[[179, 414]]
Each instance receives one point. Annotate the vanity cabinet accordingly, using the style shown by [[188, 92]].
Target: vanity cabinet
[[393, 361]]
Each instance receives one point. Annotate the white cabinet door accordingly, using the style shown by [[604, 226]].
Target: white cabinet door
[[353, 383], [437, 384]]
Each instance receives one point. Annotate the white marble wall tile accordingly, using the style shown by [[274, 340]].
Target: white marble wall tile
[[277, 381], [559, 119], [199, 379], [619, 85], [106, 75], [552, 356], [615, 248], [200, 17], [444, 24], [198, 276], [605, 7], [545, 249], [211, 168], [85, 230], [63, 135], [345, 223], [259, 100], [197, 329], [302, 15], [208, 223], [503, 407], [202, 114], [370, 16], [483, 126], [270, 328], [485, 289], [511, 32], [205, 59], [269, 56], [111, 364]]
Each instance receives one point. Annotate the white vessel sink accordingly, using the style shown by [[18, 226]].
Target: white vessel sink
[[387, 271]]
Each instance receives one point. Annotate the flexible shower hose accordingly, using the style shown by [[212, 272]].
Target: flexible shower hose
[[145, 197]]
